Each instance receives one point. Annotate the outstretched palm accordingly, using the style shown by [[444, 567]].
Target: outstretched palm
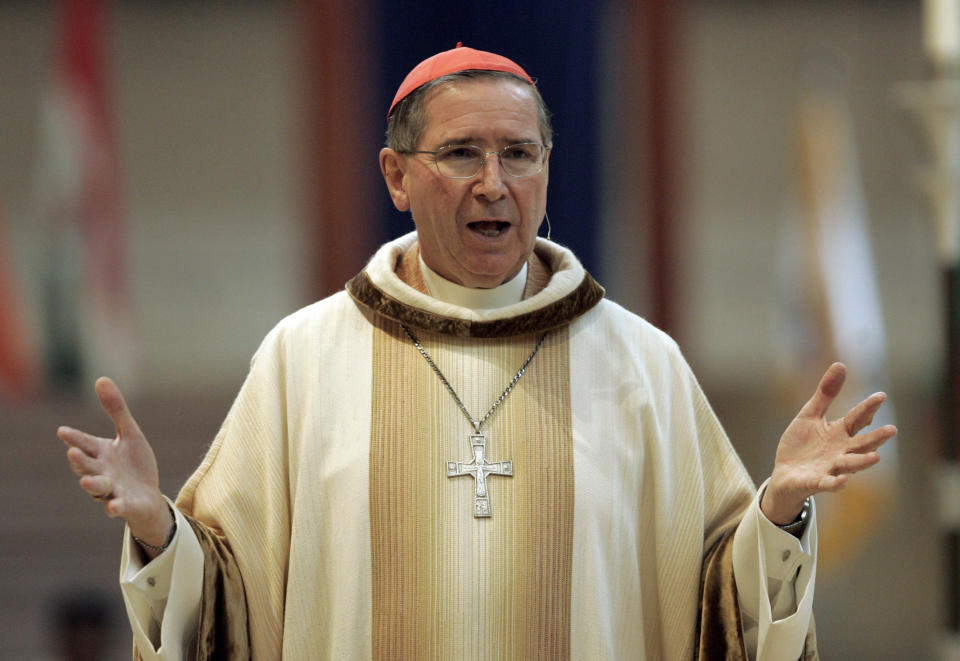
[[122, 471], [816, 455]]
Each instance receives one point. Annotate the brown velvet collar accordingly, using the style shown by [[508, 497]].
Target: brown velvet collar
[[553, 315]]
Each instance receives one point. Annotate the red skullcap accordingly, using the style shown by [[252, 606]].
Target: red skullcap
[[456, 59]]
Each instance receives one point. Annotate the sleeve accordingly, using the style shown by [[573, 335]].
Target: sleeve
[[163, 597], [238, 501], [774, 573], [196, 606]]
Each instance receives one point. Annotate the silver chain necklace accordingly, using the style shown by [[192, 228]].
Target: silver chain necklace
[[479, 467]]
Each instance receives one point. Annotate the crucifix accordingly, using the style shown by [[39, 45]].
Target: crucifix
[[480, 468]]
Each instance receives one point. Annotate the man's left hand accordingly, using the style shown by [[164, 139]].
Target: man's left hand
[[817, 455]]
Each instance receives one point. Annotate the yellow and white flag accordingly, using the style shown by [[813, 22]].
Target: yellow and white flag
[[828, 308]]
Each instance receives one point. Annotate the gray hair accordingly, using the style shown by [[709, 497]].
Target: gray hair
[[408, 119]]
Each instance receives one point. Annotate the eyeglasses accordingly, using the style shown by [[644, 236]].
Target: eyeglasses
[[523, 159]]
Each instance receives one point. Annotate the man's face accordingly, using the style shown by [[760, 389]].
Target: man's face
[[477, 232]]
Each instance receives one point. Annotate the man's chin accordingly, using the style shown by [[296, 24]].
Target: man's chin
[[490, 276]]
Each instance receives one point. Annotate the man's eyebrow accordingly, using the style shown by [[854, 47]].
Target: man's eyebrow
[[474, 140], [459, 140]]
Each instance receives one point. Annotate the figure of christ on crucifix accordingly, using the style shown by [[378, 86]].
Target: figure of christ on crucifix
[[479, 468]]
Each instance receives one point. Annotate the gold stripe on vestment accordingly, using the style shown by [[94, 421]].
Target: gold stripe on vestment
[[447, 585]]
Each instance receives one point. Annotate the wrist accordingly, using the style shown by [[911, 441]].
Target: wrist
[[798, 525], [158, 532], [156, 549], [781, 510]]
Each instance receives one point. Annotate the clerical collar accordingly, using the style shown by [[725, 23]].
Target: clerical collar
[[570, 293], [442, 289]]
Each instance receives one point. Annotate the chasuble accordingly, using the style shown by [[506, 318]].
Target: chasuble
[[328, 522]]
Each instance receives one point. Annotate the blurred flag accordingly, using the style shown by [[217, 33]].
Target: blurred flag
[[19, 367], [828, 307], [88, 308]]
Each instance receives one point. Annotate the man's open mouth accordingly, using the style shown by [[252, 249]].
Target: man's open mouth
[[488, 227]]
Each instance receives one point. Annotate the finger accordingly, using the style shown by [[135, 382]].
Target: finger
[[96, 485], [854, 463], [832, 482], [873, 439], [862, 414], [114, 507], [81, 463], [79, 439], [116, 407], [827, 390]]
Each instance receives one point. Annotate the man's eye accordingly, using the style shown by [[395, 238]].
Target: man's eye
[[520, 153], [457, 153]]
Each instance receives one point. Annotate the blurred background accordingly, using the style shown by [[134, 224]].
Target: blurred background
[[175, 177]]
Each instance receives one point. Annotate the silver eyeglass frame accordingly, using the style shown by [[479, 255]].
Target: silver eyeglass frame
[[483, 161]]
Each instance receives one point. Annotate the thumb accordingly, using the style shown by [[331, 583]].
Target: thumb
[[116, 407], [829, 387]]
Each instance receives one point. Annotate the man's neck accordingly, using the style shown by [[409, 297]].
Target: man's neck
[[442, 289]]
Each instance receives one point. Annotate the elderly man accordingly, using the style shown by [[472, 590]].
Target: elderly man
[[470, 453]]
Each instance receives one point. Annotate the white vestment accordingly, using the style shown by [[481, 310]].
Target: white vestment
[[347, 543]]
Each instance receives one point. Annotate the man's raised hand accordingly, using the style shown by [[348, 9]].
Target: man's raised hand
[[816, 455], [120, 472]]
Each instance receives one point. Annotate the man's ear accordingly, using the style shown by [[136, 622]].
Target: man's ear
[[392, 167]]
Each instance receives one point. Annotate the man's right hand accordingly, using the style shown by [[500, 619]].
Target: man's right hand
[[121, 472]]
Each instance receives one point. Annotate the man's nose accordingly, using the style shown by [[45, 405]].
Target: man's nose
[[492, 184]]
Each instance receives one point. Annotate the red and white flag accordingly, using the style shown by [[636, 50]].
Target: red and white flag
[[19, 365], [88, 304]]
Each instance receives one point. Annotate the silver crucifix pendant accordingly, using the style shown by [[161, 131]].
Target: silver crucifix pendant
[[480, 468]]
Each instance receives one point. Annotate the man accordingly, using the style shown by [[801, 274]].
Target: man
[[470, 454]]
